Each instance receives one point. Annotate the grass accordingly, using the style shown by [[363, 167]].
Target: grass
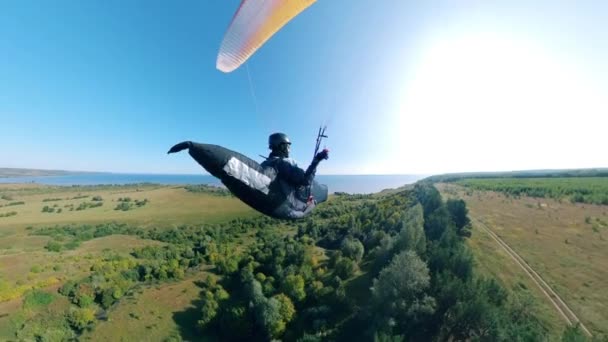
[[166, 206], [592, 190], [26, 264], [155, 312], [537, 229], [494, 262]]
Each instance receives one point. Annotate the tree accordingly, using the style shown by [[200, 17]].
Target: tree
[[352, 248], [80, 318], [293, 286], [107, 298], [346, 268], [269, 317], [437, 223], [412, 235], [428, 196], [208, 309], [288, 311], [399, 293], [235, 323], [458, 213]]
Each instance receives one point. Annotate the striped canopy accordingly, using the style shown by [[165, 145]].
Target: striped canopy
[[253, 24]]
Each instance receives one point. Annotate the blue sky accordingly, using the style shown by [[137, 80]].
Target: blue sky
[[405, 87]]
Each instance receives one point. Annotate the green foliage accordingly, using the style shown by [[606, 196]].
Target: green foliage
[[353, 249], [411, 236], [293, 286], [53, 246], [287, 309], [87, 205], [437, 223], [8, 214], [346, 268], [384, 337], [72, 245], [208, 189], [52, 199], [47, 209], [209, 309], [81, 318], [577, 189], [45, 327], [459, 214], [574, 333], [281, 286], [15, 203], [37, 298], [399, 294], [125, 203]]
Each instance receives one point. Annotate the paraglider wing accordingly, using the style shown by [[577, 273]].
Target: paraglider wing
[[253, 24]]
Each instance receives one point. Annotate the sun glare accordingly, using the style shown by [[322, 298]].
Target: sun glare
[[484, 102]]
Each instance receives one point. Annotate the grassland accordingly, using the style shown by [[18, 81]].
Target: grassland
[[566, 243], [167, 308], [26, 263], [593, 190], [157, 312], [167, 205]]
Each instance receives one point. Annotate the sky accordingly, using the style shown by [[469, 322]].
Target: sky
[[405, 87]]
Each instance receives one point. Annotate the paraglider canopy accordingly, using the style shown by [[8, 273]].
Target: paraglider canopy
[[253, 24]]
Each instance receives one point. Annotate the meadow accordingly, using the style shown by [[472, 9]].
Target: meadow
[[171, 263], [27, 262], [592, 190], [563, 240]]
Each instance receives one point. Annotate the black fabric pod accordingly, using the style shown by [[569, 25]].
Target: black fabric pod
[[244, 177]]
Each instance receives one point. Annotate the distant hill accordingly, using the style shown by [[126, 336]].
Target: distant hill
[[15, 172]]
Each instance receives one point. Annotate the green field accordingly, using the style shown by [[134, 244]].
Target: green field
[[171, 263], [565, 242], [26, 263], [593, 190]]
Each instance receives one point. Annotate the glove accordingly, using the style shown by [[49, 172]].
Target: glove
[[322, 155]]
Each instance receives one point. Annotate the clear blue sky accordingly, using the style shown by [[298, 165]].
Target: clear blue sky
[[406, 87]]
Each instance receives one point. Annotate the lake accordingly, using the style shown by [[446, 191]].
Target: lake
[[354, 184]]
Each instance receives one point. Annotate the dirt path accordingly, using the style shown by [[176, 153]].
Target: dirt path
[[553, 297]]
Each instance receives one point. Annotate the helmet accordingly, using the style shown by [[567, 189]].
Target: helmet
[[276, 139]]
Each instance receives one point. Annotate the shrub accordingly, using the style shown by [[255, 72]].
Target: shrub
[[37, 298]]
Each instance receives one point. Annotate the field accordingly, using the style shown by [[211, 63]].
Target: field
[[564, 242], [171, 263], [157, 312], [167, 205], [26, 262], [593, 190]]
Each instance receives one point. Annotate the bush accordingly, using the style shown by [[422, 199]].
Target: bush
[[37, 298], [124, 206], [8, 214], [81, 318], [346, 268], [352, 248], [53, 246]]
